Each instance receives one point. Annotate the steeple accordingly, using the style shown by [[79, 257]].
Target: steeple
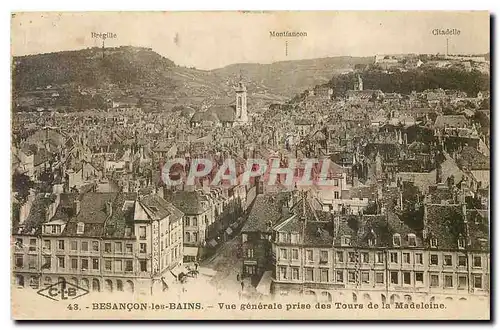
[[241, 102]]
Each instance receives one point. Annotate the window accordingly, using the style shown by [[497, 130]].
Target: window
[[294, 238], [95, 264], [85, 246], [340, 256], [412, 240], [447, 260], [434, 280], [244, 238], [461, 243], [336, 182], [419, 278], [60, 262], [379, 278], [95, 246], [396, 240], [250, 270], [73, 245], [295, 254], [434, 259], [434, 242], [462, 261], [19, 261], [46, 245], [351, 256], [365, 277], [394, 277], [32, 261], [118, 247], [85, 264], [448, 281], [379, 257], [186, 222], [195, 221], [19, 243], [309, 274], [107, 265], [143, 265], [351, 276], [406, 258], [129, 248], [195, 237], [365, 257], [345, 241], [477, 261], [340, 276], [80, 228], [324, 275], [394, 257], [129, 266], [142, 232], [283, 254], [462, 281], [47, 262], [295, 273], [107, 247], [118, 266], [336, 195], [60, 244], [323, 257], [419, 259], [309, 255], [249, 253], [74, 263], [142, 247], [282, 237], [406, 278], [478, 282], [32, 246]]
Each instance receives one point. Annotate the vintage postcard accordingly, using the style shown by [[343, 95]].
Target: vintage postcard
[[250, 165]]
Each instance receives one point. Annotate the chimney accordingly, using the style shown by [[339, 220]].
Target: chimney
[[76, 205], [109, 209]]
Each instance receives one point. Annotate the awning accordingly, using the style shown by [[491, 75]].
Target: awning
[[212, 243], [229, 231], [264, 286], [191, 251]]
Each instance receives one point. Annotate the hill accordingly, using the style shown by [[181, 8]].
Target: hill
[[288, 78], [141, 73]]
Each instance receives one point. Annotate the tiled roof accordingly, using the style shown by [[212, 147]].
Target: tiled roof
[[444, 222], [189, 202], [472, 159], [266, 209]]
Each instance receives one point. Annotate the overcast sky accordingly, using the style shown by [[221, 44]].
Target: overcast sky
[[215, 39]]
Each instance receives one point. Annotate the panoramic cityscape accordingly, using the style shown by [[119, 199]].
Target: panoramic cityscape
[[368, 180]]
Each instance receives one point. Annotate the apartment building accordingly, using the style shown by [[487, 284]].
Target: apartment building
[[361, 258], [99, 241]]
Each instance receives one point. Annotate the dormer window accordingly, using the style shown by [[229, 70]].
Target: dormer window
[[434, 242], [345, 241], [412, 240], [396, 240], [80, 228], [371, 242], [461, 243]]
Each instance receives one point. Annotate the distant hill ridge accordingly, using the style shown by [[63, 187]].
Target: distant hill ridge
[[148, 73]]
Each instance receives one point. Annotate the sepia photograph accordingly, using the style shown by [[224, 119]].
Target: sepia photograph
[[250, 165]]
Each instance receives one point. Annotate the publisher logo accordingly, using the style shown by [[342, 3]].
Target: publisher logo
[[62, 291]]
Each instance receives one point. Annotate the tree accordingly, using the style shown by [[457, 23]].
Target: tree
[[21, 184]]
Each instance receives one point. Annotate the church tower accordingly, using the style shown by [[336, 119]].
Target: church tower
[[358, 85], [241, 103]]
